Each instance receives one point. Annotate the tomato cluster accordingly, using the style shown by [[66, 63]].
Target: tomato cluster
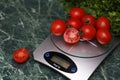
[[81, 25]]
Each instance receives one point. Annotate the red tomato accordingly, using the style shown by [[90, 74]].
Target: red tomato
[[88, 32], [88, 20], [71, 35], [103, 23], [72, 22], [58, 27], [77, 13], [103, 36], [21, 55]]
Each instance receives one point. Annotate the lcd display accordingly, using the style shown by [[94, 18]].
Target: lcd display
[[65, 64]]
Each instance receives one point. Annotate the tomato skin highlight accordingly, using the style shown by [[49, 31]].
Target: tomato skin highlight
[[21, 55], [58, 27], [103, 36], [72, 22], [88, 20], [71, 36], [103, 23], [77, 13], [88, 32]]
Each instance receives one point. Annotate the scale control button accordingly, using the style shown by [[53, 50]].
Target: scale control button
[[73, 69], [47, 54]]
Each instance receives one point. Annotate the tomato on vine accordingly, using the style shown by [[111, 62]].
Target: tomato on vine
[[58, 27], [88, 20], [103, 23], [77, 13], [103, 36], [88, 32], [72, 22]]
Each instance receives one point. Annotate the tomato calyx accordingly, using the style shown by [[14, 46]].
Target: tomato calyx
[[87, 22], [81, 33]]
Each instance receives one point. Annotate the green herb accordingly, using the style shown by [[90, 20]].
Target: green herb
[[108, 8]]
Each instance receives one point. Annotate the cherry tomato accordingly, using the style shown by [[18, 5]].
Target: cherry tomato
[[88, 32], [103, 36], [71, 35], [58, 27], [72, 22], [103, 23], [21, 55], [77, 13], [88, 20]]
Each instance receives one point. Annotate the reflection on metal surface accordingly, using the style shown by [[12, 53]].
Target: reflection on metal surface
[[85, 49]]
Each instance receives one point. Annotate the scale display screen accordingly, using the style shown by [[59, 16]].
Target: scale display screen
[[65, 64], [60, 61]]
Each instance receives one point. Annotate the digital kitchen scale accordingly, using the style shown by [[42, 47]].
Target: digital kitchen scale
[[75, 61]]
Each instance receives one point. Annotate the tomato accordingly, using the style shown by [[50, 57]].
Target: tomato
[[58, 27], [21, 55], [71, 35], [72, 22], [103, 36], [77, 13], [88, 20], [88, 32], [103, 23]]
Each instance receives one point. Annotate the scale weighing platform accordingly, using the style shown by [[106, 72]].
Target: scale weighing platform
[[77, 61]]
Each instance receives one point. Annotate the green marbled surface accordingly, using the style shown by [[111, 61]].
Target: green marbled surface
[[25, 23]]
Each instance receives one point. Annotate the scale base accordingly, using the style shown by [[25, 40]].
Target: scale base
[[86, 64]]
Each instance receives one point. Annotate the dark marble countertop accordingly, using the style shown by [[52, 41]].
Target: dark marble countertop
[[25, 23]]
